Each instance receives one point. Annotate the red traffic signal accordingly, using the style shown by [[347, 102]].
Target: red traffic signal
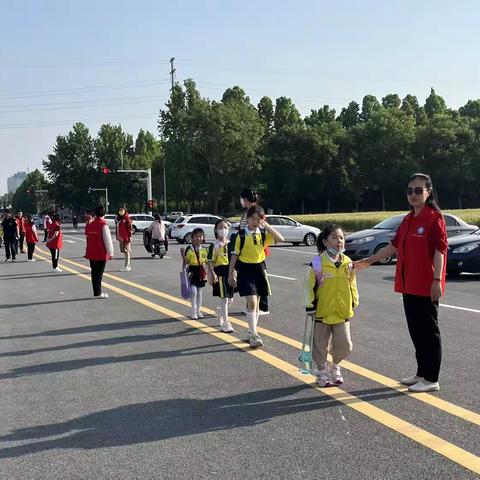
[[106, 170], [29, 191], [150, 204]]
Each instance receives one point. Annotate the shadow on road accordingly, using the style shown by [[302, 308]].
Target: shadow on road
[[172, 418], [48, 302]]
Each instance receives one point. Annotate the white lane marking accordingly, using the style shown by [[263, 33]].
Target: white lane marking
[[76, 238], [279, 276], [464, 309], [70, 241], [291, 250]]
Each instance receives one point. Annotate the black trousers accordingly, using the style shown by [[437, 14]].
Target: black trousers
[[55, 256], [30, 250], [10, 247], [45, 235], [422, 321], [98, 267], [21, 240]]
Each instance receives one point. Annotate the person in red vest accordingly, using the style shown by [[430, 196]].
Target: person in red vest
[[55, 241], [31, 237], [99, 249], [21, 230], [124, 236], [421, 247]]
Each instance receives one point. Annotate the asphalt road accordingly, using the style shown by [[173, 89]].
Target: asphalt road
[[130, 388]]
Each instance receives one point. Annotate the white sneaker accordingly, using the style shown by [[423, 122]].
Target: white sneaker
[[57, 270], [424, 386], [255, 340], [227, 327], [200, 314], [411, 380], [247, 336], [194, 315], [245, 312], [31, 260], [323, 376], [337, 377], [102, 295], [261, 313]]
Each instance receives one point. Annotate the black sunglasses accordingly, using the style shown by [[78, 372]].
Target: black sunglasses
[[416, 190]]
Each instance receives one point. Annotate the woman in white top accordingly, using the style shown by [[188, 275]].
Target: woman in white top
[[159, 237]]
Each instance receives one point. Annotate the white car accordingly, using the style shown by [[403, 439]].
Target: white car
[[183, 227], [141, 221], [292, 231], [110, 219]]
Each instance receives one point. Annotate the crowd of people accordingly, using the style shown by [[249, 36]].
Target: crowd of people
[[236, 262]]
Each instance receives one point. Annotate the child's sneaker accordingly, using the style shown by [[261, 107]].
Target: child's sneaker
[[199, 314], [227, 327], [247, 336], [337, 377], [323, 377], [255, 340]]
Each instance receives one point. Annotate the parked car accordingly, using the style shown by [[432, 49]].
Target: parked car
[[38, 222], [110, 219], [183, 227], [464, 254], [172, 216], [292, 231], [364, 243]]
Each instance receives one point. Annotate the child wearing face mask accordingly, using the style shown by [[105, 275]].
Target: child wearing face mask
[[331, 297], [218, 262]]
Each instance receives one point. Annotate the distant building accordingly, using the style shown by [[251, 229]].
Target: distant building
[[14, 181]]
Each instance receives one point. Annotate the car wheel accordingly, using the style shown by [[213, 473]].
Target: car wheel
[[134, 229], [310, 239], [179, 240], [386, 260], [454, 273], [296, 244], [187, 238]]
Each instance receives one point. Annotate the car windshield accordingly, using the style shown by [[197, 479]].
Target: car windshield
[[391, 223], [179, 220]]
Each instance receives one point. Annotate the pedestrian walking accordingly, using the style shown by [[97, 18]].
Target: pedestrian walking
[[46, 224], [195, 259], [75, 222], [218, 262], [159, 244], [248, 199], [331, 298], [21, 231], [10, 236], [99, 249], [31, 237], [420, 245], [55, 241], [124, 236], [248, 271]]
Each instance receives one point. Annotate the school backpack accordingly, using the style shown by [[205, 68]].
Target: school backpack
[[242, 234]]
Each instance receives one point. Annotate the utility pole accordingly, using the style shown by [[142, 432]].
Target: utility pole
[[91, 189], [172, 73]]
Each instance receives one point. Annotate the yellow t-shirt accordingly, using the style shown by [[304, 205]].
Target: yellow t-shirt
[[253, 250], [218, 255], [192, 259]]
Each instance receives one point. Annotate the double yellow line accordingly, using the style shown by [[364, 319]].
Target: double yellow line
[[419, 435]]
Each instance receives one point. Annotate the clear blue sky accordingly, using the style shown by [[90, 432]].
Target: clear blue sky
[[56, 54]]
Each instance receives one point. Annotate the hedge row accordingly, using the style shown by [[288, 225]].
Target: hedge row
[[355, 221]]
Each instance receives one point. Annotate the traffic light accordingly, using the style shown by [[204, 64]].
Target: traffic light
[[106, 170], [150, 204]]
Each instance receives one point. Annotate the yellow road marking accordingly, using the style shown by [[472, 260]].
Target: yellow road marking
[[427, 398], [419, 435]]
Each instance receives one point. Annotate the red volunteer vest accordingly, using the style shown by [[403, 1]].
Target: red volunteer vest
[[95, 247], [30, 235], [57, 242], [417, 239], [21, 224]]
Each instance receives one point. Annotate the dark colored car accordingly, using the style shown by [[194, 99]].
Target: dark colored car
[[367, 242], [464, 254]]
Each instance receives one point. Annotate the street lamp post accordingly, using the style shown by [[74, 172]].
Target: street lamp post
[[91, 189]]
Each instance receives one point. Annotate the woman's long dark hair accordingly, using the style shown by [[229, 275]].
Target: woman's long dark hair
[[431, 201]]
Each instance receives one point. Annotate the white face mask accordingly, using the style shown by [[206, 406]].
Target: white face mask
[[222, 233], [242, 202]]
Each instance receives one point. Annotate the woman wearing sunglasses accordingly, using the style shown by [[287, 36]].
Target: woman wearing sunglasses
[[421, 248]]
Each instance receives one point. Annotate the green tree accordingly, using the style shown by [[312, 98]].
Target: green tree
[[434, 104], [287, 117], [391, 101], [350, 115]]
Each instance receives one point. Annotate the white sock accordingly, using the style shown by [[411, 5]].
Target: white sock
[[251, 322], [257, 314], [199, 299], [193, 299], [127, 259], [224, 310]]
